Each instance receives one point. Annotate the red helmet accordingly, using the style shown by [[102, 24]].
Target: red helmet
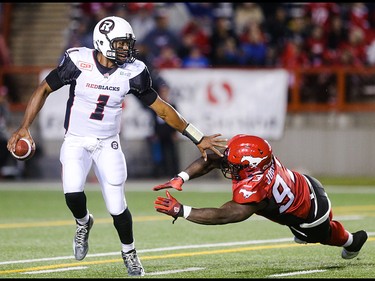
[[245, 156]]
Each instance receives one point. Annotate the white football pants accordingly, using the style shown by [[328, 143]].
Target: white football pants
[[78, 154]]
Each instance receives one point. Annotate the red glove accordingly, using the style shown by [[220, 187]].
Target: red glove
[[176, 183], [169, 206]]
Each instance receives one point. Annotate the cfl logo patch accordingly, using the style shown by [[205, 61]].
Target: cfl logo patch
[[106, 26], [114, 145], [85, 65]]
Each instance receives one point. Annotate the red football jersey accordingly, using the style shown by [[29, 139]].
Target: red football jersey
[[287, 193]]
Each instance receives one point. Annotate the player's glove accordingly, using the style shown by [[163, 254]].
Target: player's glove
[[169, 206], [176, 183]]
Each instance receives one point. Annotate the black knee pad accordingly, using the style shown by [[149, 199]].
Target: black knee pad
[[76, 202], [124, 226]]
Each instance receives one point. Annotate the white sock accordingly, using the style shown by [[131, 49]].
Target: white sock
[[127, 247], [84, 220], [349, 241]]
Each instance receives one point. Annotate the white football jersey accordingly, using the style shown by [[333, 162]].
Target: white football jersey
[[94, 107]]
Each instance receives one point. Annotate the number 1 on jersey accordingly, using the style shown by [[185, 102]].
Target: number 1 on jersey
[[98, 113]]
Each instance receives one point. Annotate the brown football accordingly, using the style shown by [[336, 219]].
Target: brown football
[[24, 150]]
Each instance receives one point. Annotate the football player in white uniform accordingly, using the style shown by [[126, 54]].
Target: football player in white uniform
[[99, 80]]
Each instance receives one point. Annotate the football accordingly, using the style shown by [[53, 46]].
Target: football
[[24, 150]]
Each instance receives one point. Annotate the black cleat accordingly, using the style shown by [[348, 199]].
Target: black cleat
[[359, 238]]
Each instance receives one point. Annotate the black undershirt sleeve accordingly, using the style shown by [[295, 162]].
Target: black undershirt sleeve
[[141, 87], [148, 97], [53, 80], [64, 74]]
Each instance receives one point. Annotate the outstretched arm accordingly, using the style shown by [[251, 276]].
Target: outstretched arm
[[230, 212], [201, 167], [173, 118], [196, 169]]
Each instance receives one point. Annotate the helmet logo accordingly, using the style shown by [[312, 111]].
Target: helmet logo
[[106, 26], [253, 161]]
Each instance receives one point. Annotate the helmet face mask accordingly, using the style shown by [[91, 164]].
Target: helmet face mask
[[123, 55], [245, 157], [114, 38], [232, 171]]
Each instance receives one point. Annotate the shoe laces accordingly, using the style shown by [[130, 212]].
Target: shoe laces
[[81, 234], [132, 261]]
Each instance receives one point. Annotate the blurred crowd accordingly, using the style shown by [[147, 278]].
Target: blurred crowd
[[248, 34]]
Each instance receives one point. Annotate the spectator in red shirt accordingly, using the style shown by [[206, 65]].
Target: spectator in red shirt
[[320, 13], [359, 16], [167, 58], [353, 51], [294, 55], [193, 35]]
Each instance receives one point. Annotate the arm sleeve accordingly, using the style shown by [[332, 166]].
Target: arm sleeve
[[64, 74], [141, 87], [53, 80]]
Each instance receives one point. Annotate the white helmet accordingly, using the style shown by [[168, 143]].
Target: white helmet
[[109, 30]]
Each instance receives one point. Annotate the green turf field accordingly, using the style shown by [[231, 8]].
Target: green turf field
[[36, 232]]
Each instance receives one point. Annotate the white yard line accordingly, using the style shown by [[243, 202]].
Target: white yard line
[[55, 270], [297, 273], [175, 271], [84, 267]]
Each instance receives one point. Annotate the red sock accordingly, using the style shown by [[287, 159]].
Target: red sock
[[339, 235]]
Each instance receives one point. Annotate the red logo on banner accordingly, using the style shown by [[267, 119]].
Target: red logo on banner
[[215, 93]]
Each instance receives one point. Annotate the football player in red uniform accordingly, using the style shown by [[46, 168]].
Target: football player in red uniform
[[99, 81], [262, 185]]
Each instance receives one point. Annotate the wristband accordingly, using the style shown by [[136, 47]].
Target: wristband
[[185, 177], [187, 210], [193, 133]]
